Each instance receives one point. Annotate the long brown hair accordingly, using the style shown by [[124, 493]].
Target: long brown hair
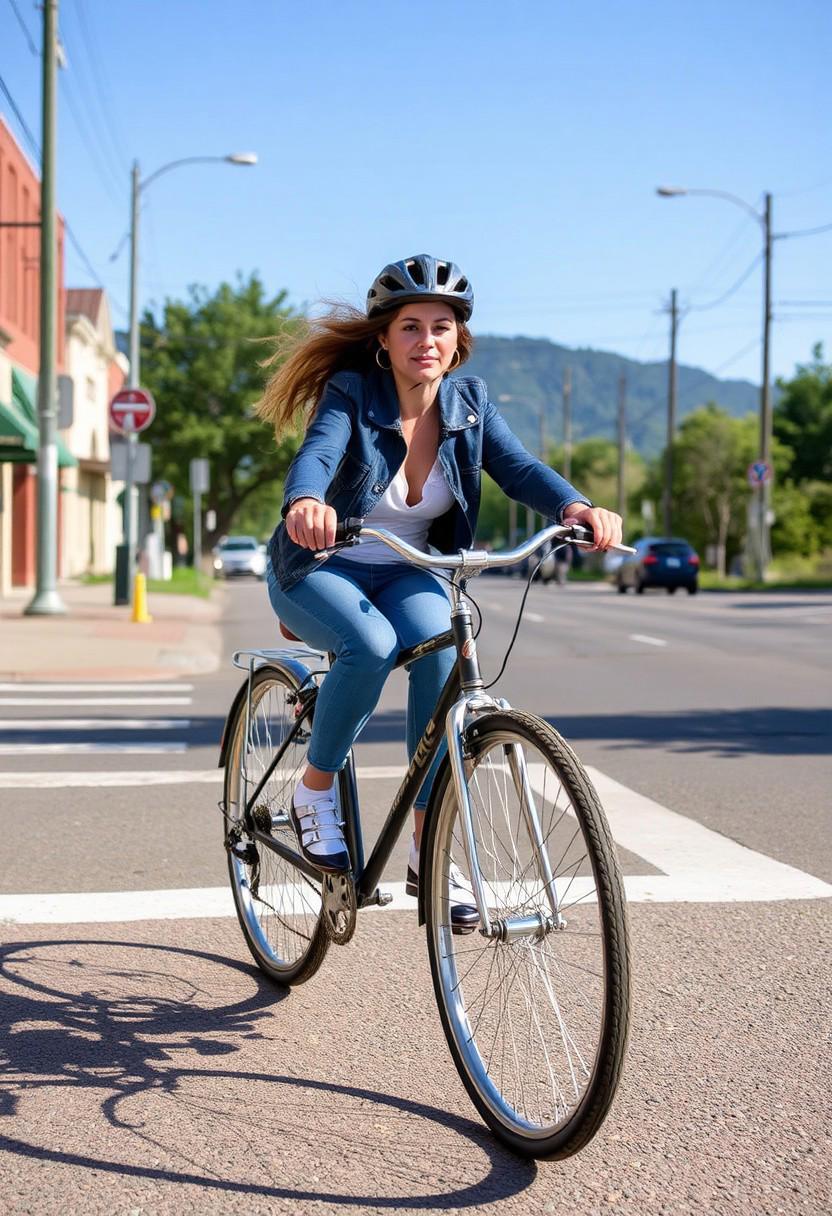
[[343, 339]]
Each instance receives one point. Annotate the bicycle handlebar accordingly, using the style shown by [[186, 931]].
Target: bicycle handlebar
[[349, 531]]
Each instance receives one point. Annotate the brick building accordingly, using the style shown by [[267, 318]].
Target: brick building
[[86, 530]]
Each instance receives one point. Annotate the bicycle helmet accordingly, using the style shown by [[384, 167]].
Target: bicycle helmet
[[418, 280]]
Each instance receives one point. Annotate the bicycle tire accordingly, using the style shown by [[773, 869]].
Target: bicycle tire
[[541, 977], [280, 909]]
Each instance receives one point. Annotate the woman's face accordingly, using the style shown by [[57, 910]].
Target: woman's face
[[421, 340]]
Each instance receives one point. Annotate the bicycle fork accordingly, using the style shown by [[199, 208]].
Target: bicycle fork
[[473, 701]]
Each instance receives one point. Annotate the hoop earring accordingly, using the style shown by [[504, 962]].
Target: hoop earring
[[385, 367], [453, 366]]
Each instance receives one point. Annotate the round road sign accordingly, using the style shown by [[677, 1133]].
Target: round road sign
[[759, 473], [132, 410]]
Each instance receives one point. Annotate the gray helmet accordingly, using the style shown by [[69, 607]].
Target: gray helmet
[[418, 280]]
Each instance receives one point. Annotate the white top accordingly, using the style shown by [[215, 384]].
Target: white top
[[410, 523]]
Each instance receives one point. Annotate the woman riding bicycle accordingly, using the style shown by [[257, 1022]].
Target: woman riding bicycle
[[392, 440]]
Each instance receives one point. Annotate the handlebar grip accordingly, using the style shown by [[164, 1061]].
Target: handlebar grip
[[347, 530]]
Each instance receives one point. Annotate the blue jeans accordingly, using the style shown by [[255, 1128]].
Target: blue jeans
[[365, 613]]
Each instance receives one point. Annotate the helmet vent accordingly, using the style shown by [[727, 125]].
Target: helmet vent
[[442, 269], [390, 283], [417, 272], [461, 285]]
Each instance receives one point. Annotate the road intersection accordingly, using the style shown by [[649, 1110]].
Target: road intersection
[[118, 929]]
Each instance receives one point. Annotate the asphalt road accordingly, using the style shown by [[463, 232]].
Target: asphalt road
[[148, 1068]]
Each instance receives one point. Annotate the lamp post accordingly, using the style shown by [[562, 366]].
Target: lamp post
[[137, 186], [763, 218]]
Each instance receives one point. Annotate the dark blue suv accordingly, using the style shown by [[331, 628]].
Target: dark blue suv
[[660, 561]]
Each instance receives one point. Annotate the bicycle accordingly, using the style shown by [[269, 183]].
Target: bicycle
[[536, 1007]]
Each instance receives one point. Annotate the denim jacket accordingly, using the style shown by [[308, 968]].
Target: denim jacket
[[354, 447]]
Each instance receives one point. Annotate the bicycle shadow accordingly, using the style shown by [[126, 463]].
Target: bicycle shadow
[[79, 1018]]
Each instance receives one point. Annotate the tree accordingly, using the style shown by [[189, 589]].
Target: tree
[[595, 471], [802, 419], [202, 364], [711, 455]]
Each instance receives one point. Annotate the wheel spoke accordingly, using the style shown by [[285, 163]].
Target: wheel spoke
[[528, 1014], [279, 906]]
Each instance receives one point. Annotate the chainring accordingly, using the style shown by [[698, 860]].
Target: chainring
[[340, 908]]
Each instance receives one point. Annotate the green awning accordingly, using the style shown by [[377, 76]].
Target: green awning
[[19, 425]]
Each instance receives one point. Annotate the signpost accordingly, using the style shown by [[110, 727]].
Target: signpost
[[200, 471], [131, 410]]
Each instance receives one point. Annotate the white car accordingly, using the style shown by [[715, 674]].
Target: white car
[[239, 555]]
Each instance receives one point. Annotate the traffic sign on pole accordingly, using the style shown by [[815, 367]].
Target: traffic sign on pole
[[759, 474], [132, 410]]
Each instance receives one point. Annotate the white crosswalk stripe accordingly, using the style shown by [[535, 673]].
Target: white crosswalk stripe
[[47, 736]]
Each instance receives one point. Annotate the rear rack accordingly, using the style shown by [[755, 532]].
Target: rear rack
[[251, 660]]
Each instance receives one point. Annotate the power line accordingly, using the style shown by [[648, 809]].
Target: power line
[[104, 173], [741, 228], [102, 86], [93, 126], [24, 27], [783, 236], [70, 234], [714, 303], [30, 137]]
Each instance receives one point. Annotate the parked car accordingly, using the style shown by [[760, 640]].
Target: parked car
[[659, 561], [239, 555]]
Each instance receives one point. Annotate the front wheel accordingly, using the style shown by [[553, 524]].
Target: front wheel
[[536, 1020]]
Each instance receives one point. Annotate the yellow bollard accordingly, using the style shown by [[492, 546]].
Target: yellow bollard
[[140, 614]]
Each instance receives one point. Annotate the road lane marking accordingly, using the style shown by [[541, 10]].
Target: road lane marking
[[34, 725], [648, 641], [89, 749], [148, 686], [698, 864], [536, 617], [88, 780], [46, 702], [114, 779]]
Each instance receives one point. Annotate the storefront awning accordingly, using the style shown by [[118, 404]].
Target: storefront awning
[[19, 425]]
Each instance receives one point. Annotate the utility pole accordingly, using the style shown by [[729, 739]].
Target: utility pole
[[667, 513], [133, 378], [47, 601], [567, 423], [622, 442], [764, 543]]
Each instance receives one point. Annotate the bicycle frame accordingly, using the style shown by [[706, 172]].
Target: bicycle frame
[[462, 695]]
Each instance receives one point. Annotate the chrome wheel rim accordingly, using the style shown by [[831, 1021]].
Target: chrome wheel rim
[[280, 904], [527, 1016]]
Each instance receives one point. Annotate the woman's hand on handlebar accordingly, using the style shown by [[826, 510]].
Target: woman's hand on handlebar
[[605, 525], [311, 524]]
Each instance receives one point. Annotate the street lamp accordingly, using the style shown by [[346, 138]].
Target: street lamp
[[137, 186], [763, 218]]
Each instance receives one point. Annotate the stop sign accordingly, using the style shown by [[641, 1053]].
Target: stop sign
[[132, 409]]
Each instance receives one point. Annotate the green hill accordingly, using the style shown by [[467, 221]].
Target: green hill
[[525, 375]]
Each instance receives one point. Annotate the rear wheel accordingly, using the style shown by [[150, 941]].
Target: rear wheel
[[639, 587], [536, 1022], [279, 907]]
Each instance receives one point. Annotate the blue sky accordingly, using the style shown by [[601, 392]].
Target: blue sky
[[523, 141]]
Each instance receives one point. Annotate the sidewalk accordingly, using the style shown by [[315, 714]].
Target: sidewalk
[[97, 641]]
